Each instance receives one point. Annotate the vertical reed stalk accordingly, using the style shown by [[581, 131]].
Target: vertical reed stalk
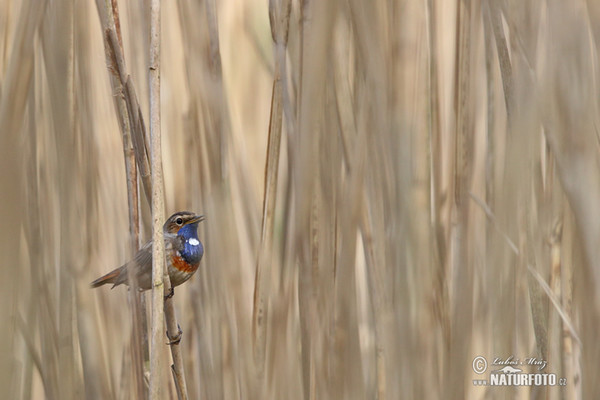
[[113, 44], [158, 212], [460, 270], [279, 12], [15, 87]]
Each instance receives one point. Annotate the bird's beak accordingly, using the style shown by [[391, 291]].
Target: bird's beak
[[197, 218]]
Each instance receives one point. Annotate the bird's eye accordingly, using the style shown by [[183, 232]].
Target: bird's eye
[[179, 221]]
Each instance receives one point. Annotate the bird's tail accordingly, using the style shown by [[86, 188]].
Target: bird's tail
[[111, 277]]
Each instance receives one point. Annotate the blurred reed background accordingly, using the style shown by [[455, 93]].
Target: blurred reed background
[[416, 182]]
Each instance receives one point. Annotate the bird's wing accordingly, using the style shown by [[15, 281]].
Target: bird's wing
[[141, 262], [143, 258]]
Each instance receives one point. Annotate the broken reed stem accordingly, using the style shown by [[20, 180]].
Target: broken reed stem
[[158, 217], [279, 17]]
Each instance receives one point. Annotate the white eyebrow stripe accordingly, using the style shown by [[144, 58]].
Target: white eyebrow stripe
[[193, 241]]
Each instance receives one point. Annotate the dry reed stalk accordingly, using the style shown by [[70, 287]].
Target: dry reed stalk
[[158, 212], [219, 121], [160, 277], [216, 151], [218, 105], [354, 155], [495, 17], [490, 146], [173, 331], [128, 107], [507, 150], [376, 291], [16, 82], [327, 317], [58, 53], [33, 354], [346, 361], [124, 101], [279, 12], [124, 390], [440, 284], [519, 122], [461, 271], [570, 364], [217, 178], [490, 154], [570, 126], [554, 355], [33, 232], [139, 137], [539, 315], [18, 75], [96, 380]]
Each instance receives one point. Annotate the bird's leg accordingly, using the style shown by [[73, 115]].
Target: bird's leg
[[176, 338], [170, 294]]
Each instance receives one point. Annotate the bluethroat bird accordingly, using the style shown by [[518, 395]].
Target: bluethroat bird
[[183, 252]]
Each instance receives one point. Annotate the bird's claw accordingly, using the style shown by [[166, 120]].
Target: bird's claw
[[176, 338], [170, 294]]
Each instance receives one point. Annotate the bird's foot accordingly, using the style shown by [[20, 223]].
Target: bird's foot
[[176, 338], [170, 294]]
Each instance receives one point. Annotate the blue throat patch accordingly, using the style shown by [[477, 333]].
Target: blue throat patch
[[192, 253]]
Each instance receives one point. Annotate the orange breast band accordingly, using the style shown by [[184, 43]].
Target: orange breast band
[[182, 265]]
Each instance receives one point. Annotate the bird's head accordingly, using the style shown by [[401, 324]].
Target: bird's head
[[182, 219]]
